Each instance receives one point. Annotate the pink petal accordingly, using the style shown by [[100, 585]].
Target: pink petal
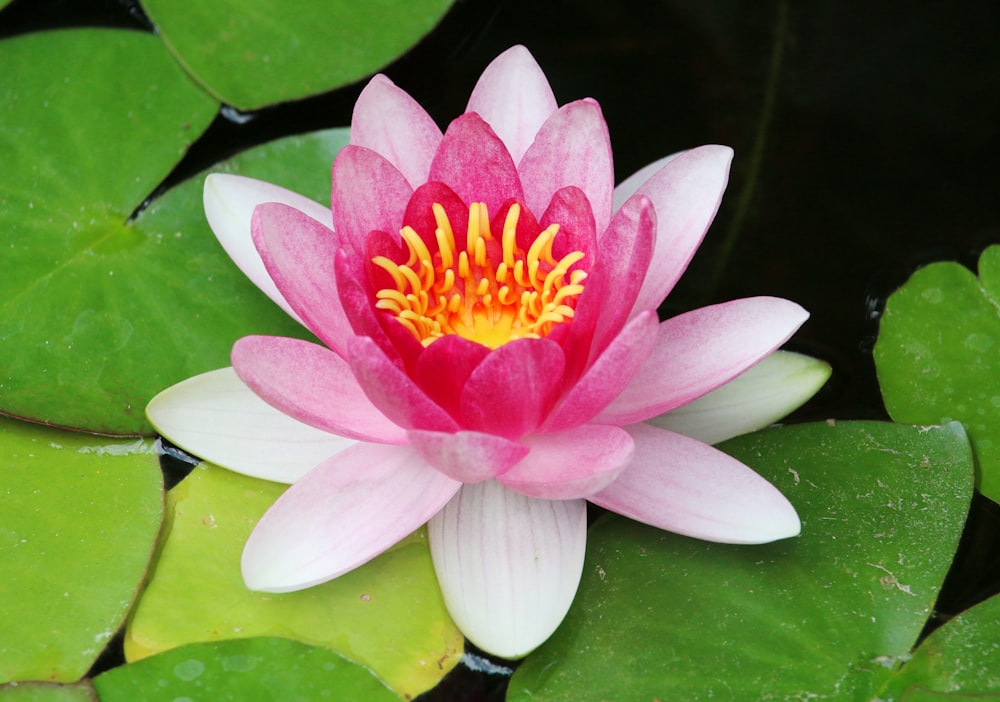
[[387, 120], [773, 388], [313, 385], [393, 392], [467, 456], [299, 254], [700, 350], [369, 194], [686, 193], [229, 203], [474, 163], [514, 98], [345, 512], [216, 417], [571, 464], [571, 148], [508, 565], [513, 388], [608, 376], [687, 487]]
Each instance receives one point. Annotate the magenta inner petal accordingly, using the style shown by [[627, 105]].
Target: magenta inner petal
[[608, 376], [513, 388], [445, 366], [393, 392], [475, 164]]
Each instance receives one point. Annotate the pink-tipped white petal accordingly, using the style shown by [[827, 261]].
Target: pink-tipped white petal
[[387, 120], [216, 417], [698, 351], [229, 204], [687, 487], [628, 187], [570, 464], [514, 98], [508, 565], [312, 384], [686, 194], [760, 396], [467, 456], [342, 514], [572, 148]]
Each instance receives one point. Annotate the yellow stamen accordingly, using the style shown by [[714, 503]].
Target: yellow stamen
[[451, 291]]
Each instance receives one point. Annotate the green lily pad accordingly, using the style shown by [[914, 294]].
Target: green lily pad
[[99, 314], [962, 656], [938, 355], [80, 515], [388, 614], [249, 669], [919, 694], [47, 692], [822, 616], [251, 53]]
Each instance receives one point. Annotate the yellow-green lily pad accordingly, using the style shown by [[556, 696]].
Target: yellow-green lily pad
[[79, 516], [47, 692], [388, 614]]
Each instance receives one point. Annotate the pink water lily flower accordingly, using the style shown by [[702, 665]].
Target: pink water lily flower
[[486, 301]]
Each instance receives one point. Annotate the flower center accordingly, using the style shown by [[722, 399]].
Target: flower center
[[491, 292]]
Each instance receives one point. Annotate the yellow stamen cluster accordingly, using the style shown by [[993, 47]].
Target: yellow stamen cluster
[[491, 292]]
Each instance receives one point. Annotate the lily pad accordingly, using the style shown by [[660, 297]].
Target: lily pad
[[80, 517], [99, 313], [938, 355], [822, 616], [47, 692], [961, 656], [388, 614], [251, 53], [249, 669]]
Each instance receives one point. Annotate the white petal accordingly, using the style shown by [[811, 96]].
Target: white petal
[[775, 387], [229, 203], [216, 417], [508, 565]]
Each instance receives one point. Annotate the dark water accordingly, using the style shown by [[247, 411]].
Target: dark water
[[866, 137]]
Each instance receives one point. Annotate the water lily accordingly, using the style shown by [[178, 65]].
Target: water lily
[[486, 302]]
